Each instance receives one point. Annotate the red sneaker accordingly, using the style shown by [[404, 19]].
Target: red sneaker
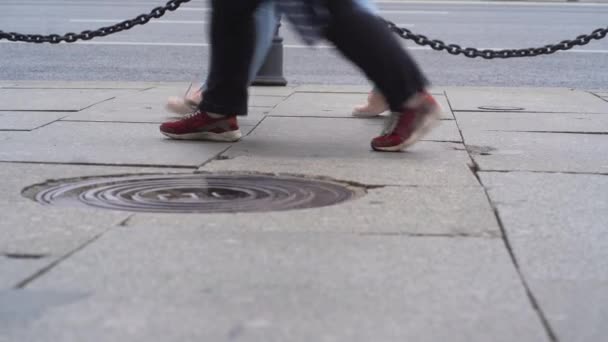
[[419, 116], [200, 126]]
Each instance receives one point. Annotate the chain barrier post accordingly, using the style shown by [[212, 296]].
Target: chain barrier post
[[271, 72]]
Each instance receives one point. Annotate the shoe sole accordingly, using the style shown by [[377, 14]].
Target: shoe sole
[[231, 136], [431, 121], [366, 114]]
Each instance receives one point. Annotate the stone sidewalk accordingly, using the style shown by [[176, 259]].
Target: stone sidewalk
[[494, 228]]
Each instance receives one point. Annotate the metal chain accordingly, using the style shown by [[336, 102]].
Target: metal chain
[[455, 49], [419, 39], [71, 37]]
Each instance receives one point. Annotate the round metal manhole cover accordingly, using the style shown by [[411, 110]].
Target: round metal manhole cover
[[194, 193], [501, 108]]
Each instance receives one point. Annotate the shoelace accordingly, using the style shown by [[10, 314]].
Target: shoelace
[[193, 114]]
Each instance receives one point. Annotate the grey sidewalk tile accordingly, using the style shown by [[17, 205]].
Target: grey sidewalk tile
[[601, 93], [104, 143], [112, 113], [159, 284], [265, 101], [318, 105], [27, 121], [541, 122], [538, 151], [272, 91], [323, 138], [157, 97], [13, 271], [31, 228], [446, 111], [439, 167], [361, 89], [77, 85], [450, 211], [319, 88], [146, 109], [55, 99], [332, 105], [556, 224], [530, 99]]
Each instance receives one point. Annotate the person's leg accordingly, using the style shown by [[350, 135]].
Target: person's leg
[[233, 42], [376, 103], [225, 96], [266, 21], [368, 43]]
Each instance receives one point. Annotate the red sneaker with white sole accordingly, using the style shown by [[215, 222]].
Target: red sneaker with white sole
[[200, 126], [402, 129]]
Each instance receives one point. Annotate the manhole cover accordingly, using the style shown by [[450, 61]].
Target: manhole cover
[[193, 193], [501, 108]]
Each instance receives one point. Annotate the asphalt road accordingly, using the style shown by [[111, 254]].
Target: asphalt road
[[175, 48]]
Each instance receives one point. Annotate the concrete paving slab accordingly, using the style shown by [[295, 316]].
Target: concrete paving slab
[[533, 122], [104, 143], [439, 167], [27, 121], [130, 113], [546, 100], [12, 271], [179, 88], [33, 235], [293, 137], [183, 285], [28, 227], [265, 101], [427, 211], [325, 88], [360, 89], [272, 91], [146, 107], [601, 93], [47, 99], [556, 224], [538, 151], [81, 85], [446, 111], [332, 105], [18, 307], [157, 97]]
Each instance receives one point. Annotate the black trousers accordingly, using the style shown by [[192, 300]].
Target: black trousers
[[360, 37]]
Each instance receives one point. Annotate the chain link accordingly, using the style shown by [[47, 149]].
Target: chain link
[[419, 39], [72, 37], [456, 49]]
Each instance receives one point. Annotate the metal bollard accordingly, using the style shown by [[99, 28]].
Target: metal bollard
[[271, 72]]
